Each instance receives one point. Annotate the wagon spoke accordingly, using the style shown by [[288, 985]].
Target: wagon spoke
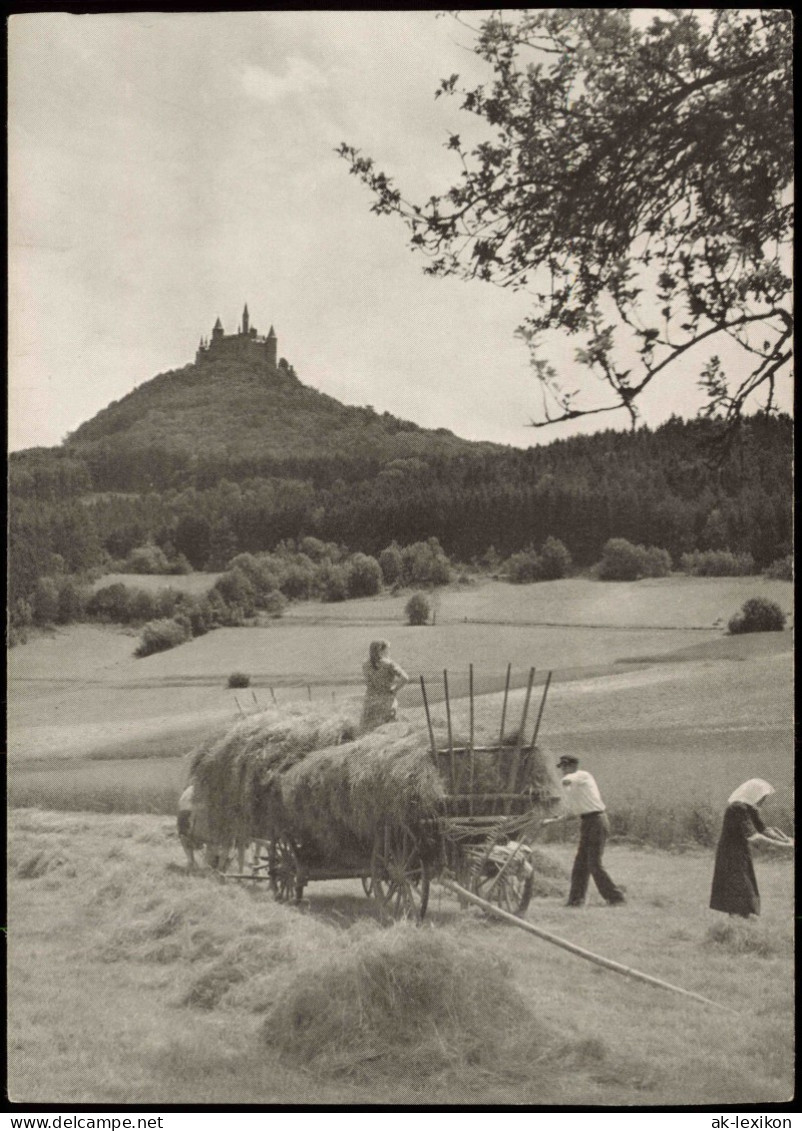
[[399, 880]]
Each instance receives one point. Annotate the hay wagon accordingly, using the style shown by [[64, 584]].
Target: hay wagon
[[493, 797]]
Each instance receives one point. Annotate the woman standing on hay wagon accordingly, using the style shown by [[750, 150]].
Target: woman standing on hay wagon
[[383, 678], [734, 884]]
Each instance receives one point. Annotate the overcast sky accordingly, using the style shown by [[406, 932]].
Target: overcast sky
[[167, 168]]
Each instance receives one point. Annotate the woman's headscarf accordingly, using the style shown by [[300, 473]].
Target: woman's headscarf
[[751, 792], [375, 651]]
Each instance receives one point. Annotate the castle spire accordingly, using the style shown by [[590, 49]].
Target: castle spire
[[245, 319]]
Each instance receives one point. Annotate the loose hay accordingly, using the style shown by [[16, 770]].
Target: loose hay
[[308, 774], [739, 936], [150, 915], [406, 1001], [237, 773]]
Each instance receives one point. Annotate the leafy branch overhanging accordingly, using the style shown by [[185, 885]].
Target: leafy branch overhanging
[[637, 184]]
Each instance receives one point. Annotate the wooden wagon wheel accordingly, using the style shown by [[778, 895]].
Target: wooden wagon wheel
[[286, 882], [399, 876], [507, 885]]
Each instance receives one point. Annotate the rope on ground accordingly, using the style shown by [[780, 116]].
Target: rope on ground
[[588, 955]]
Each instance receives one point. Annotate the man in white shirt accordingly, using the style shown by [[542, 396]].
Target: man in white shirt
[[583, 800]]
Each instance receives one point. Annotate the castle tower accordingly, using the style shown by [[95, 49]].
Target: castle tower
[[271, 346], [217, 331], [245, 320]]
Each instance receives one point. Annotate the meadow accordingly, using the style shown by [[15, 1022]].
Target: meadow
[[132, 981], [670, 716], [193, 583]]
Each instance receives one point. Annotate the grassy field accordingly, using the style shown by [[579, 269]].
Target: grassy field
[[666, 602], [669, 719], [131, 981], [78, 688], [193, 583]]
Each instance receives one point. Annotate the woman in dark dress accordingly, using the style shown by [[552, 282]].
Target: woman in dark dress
[[734, 884]]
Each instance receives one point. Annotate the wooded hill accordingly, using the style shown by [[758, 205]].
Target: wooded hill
[[216, 459]]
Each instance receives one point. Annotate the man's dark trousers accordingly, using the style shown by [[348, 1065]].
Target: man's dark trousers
[[594, 830]]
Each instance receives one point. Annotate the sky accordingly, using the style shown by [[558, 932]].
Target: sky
[[167, 168]]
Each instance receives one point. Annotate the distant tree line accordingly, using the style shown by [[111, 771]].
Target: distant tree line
[[69, 515]]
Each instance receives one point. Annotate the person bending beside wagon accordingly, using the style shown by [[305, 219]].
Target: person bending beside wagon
[[583, 800], [734, 883]]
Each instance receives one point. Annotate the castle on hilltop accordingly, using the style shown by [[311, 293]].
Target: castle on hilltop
[[245, 344]]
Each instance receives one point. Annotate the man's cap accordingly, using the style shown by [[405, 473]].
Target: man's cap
[[567, 760]]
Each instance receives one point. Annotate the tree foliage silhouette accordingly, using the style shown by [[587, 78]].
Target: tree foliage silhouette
[[636, 182]]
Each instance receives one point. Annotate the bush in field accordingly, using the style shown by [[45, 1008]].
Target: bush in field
[[425, 563], [528, 565], [199, 613], [180, 565], [16, 634], [143, 606], [418, 609], [624, 561], [758, 614], [364, 576], [555, 559], [657, 562], [168, 601], [333, 583], [239, 679], [392, 564], [315, 549], [524, 567], [21, 614], [274, 604], [298, 577], [491, 560], [781, 570], [717, 563], [264, 572], [71, 602], [19, 621], [161, 635], [147, 559], [110, 603], [212, 610], [44, 601], [232, 615], [236, 588]]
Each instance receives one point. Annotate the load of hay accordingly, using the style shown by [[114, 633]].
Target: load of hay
[[310, 774], [236, 775]]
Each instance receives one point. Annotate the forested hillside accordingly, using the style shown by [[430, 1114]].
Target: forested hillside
[[211, 461]]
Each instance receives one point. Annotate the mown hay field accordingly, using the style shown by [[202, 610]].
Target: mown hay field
[[670, 720], [132, 981]]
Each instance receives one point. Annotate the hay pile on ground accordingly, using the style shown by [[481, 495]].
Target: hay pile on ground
[[406, 1002], [742, 936]]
